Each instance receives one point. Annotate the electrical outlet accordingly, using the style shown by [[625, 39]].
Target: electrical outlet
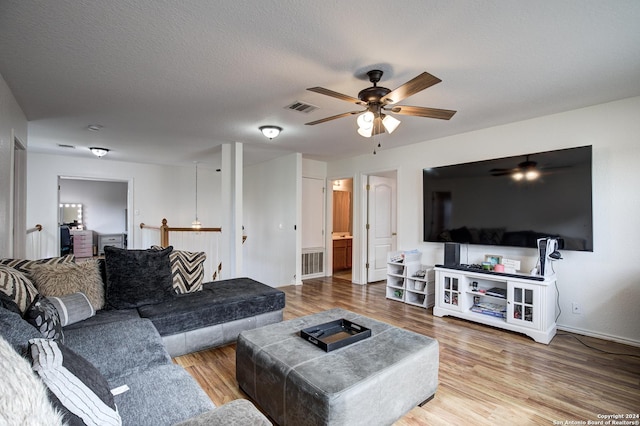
[[576, 308]]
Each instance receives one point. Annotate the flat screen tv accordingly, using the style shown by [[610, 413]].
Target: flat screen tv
[[512, 201]]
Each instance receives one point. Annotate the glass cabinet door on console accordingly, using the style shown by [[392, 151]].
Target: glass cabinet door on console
[[451, 289], [523, 305]]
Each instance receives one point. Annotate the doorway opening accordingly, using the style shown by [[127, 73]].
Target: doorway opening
[[342, 232], [97, 211]]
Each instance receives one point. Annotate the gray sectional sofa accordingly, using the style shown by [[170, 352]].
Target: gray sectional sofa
[[131, 349]]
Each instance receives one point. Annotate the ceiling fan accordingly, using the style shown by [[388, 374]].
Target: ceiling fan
[[527, 170], [380, 101]]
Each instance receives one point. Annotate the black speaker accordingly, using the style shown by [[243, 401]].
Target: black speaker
[[451, 254]]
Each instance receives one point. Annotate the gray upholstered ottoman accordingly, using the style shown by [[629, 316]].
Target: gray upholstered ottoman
[[372, 382]]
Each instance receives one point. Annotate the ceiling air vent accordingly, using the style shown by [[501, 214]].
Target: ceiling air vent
[[301, 107], [61, 145]]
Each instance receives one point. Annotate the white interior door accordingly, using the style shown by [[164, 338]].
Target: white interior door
[[381, 206]]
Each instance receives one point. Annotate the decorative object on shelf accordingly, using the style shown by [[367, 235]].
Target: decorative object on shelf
[[493, 259], [196, 223], [270, 131], [99, 152]]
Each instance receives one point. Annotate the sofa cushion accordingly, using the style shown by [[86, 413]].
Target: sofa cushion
[[23, 396], [67, 278], [26, 266], [78, 389], [218, 302], [187, 270], [43, 315], [72, 308], [119, 349], [17, 286], [16, 330], [163, 395], [105, 316], [137, 277]]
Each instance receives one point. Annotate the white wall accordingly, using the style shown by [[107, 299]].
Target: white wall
[[606, 282], [272, 207], [104, 203], [158, 192], [13, 123]]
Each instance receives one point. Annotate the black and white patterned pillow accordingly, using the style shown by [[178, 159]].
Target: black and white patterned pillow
[[187, 270], [77, 387], [26, 266], [43, 315], [17, 287]]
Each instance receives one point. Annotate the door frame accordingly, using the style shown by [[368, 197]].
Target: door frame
[[329, 225], [391, 173], [130, 212]]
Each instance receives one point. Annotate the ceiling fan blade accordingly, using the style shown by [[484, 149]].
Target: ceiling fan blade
[[336, 95], [333, 117], [443, 114], [411, 87]]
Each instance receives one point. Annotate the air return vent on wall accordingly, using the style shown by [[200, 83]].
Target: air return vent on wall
[[301, 107], [313, 262]]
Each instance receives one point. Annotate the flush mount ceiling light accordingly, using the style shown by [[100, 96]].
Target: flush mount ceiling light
[[270, 131], [99, 152]]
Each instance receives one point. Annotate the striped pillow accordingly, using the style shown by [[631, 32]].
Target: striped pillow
[[17, 287], [77, 387], [187, 270], [26, 266]]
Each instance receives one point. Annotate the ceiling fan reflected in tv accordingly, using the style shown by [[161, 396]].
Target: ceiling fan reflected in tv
[[512, 201]]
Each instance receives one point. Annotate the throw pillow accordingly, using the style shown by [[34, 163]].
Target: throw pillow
[[137, 277], [187, 270], [17, 286], [25, 266], [43, 315], [72, 308], [9, 304], [23, 397], [67, 278], [80, 391], [15, 330]]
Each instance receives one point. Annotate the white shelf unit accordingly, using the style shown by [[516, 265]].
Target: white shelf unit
[[404, 286], [528, 305]]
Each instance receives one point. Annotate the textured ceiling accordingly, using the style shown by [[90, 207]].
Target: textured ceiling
[[171, 81]]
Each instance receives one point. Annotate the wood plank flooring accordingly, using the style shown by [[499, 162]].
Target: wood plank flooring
[[487, 376]]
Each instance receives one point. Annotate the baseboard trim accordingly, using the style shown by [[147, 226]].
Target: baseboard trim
[[602, 336]]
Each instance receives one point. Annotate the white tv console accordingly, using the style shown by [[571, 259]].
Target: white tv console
[[528, 305]]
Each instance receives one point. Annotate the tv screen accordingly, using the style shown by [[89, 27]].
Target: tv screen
[[512, 201]]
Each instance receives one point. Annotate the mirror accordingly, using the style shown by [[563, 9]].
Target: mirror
[[71, 213]]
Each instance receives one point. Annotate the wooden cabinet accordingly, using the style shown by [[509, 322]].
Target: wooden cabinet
[[83, 241], [342, 253], [518, 303]]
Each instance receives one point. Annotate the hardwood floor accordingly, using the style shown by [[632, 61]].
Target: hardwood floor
[[487, 376]]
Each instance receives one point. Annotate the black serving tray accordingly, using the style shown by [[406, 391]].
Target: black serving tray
[[335, 334]]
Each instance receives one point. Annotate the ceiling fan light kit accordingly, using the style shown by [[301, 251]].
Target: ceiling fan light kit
[[376, 99], [270, 131]]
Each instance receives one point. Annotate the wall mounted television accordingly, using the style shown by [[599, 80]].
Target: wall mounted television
[[502, 202]]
